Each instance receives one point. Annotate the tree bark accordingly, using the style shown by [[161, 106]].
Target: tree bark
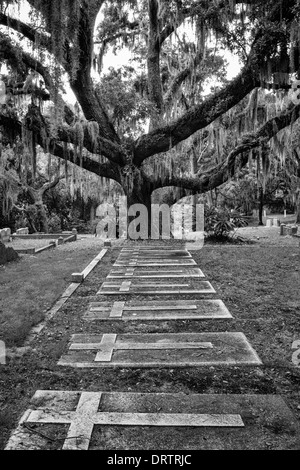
[[298, 208], [261, 206]]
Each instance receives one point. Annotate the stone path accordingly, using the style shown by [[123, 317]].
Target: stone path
[[203, 418]]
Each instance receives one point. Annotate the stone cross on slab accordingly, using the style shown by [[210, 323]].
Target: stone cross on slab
[[125, 285], [87, 415], [109, 344]]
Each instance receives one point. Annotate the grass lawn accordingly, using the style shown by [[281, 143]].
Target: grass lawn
[[30, 286], [258, 283]]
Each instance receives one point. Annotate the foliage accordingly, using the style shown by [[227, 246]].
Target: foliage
[[218, 223], [153, 123]]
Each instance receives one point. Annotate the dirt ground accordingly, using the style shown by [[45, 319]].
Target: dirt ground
[[259, 284]]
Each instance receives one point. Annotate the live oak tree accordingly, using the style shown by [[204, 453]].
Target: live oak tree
[[173, 41]]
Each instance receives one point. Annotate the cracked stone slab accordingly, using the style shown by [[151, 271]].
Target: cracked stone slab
[[155, 287], [154, 272], [159, 350], [158, 310], [162, 421]]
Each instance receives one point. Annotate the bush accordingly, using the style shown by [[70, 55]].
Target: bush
[[54, 223], [218, 223]]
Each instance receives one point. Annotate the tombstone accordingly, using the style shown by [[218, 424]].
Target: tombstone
[[107, 243], [60, 241], [275, 222], [2, 92], [265, 213], [269, 223], [284, 213], [5, 235], [283, 229], [22, 231]]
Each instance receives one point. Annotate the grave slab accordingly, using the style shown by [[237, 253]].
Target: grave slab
[[159, 350], [146, 255], [154, 272], [158, 310], [142, 421], [155, 287], [155, 262]]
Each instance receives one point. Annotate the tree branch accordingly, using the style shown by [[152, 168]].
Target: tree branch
[[219, 174], [27, 31], [56, 148], [165, 138], [153, 57]]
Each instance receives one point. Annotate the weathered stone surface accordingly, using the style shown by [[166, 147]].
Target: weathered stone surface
[[7, 254], [159, 350], [156, 262], [5, 235], [155, 287], [158, 310], [22, 231], [142, 421], [154, 272]]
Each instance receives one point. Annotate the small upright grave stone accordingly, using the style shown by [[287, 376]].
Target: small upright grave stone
[[5, 235]]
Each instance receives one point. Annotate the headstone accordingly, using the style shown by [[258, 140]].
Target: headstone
[[107, 243], [265, 213], [269, 223], [284, 213], [2, 92], [5, 235], [60, 241], [159, 350], [283, 229], [22, 231]]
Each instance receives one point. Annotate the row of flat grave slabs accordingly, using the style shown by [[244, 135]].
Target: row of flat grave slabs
[[92, 420], [137, 273], [95, 420]]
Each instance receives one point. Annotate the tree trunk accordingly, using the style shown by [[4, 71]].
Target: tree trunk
[[140, 196], [298, 208], [42, 217], [261, 206]]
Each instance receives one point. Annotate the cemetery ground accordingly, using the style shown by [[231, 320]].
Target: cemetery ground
[[259, 284]]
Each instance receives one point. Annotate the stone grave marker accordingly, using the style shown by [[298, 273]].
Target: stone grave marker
[[155, 262], [203, 309], [159, 350], [145, 421], [154, 272], [155, 287]]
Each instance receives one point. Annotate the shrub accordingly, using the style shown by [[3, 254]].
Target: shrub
[[218, 223]]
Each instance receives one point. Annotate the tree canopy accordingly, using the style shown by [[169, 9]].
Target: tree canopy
[[153, 123]]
